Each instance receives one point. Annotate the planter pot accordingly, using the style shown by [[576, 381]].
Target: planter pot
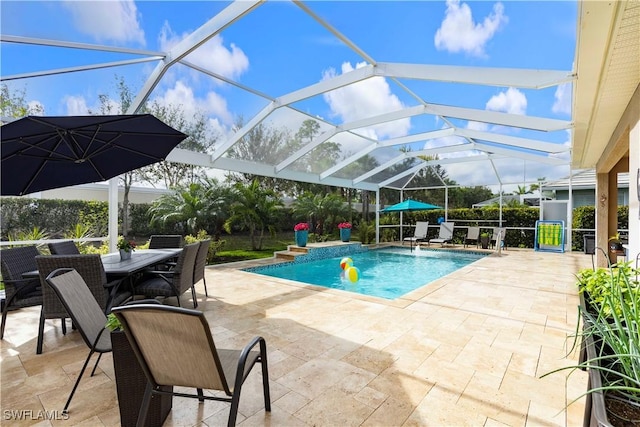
[[600, 408], [125, 255], [484, 242], [130, 386], [301, 238], [345, 234]]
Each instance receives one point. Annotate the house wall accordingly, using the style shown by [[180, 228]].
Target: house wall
[[98, 192], [588, 197]]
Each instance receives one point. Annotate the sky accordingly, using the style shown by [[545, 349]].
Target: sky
[[276, 49]]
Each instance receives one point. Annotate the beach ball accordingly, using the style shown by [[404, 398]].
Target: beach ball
[[353, 274], [346, 263]]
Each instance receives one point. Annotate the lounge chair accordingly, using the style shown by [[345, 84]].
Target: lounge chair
[[419, 234], [445, 234], [473, 236]]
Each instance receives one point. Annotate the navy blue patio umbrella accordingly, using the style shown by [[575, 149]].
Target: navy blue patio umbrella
[[41, 153]]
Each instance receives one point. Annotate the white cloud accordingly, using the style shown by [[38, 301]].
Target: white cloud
[[230, 62], [107, 20], [75, 105], [459, 33], [182, 96], [562, 97], [367, 98], [512, 101]]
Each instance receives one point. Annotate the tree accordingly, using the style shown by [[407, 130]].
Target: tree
[[201, 139], [321, 209], [255, 209], [190, 207], [125, 95], [14, 104]]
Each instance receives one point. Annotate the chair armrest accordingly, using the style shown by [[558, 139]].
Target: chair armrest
[[144, 301], [240, 373]]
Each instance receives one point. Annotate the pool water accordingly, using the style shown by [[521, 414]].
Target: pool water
[[384, 273]]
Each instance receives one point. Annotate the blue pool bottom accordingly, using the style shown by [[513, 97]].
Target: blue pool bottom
[[387, 273]]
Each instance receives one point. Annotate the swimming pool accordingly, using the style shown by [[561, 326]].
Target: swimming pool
[[385, 273]]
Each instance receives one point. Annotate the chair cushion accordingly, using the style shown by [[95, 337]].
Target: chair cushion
[[154, 286]]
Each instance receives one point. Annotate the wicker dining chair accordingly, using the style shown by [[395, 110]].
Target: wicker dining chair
[[174, 347], [19, 292], [163, 241], [87, 315], [63, 248], [201, 262], [174, 282], [90, 267]]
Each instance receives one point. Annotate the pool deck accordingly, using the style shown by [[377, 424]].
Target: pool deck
[[468, 349]]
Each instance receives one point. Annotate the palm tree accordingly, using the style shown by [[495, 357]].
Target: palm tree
[[193, 208], [321, 209], [255, 209]]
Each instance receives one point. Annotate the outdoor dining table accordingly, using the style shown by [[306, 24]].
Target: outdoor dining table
[[140, 260]]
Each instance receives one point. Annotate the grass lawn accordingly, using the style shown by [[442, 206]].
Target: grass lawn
[[237, 247]]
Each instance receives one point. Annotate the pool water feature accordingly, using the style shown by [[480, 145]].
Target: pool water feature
[[385, 273]]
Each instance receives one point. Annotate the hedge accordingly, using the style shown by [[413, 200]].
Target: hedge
[[58, 216]]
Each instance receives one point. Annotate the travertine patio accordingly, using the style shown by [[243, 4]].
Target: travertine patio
[[468, 349]]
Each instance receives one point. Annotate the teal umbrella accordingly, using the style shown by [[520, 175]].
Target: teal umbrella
[[410, 205]]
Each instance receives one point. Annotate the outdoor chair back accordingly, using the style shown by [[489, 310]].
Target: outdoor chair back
[[163, 241], [445, 235], [420, 233], [174, 347], [173, 282], [91, 269], [473, 236], [201, 262], [63, 248], [86, 313], [19, 292]]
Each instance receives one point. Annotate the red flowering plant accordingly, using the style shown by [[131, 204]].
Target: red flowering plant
[[301, 226], [344, 225], [127, 245]]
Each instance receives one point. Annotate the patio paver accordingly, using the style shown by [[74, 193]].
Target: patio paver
[[468, 349]]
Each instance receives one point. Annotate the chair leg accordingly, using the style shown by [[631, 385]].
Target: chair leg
[[40, 332], [64, 325], [206, 293], [96, 365], [75, 386], [5, 310], [233, 412], [265, 376], [193, 296], [144, 406], [200, 395]]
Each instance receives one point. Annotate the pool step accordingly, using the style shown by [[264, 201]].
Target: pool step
[[291, 253]]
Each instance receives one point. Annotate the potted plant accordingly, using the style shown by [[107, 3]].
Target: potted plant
[[610, 310], [125, 247], [484, 240], [615, 244], [301, 233], [131, 381], [345, 231]]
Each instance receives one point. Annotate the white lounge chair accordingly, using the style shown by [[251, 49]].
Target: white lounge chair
[[419, 234], [473, 236], [445, 235]]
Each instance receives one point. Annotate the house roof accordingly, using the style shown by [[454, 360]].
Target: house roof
[[584, 180]]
